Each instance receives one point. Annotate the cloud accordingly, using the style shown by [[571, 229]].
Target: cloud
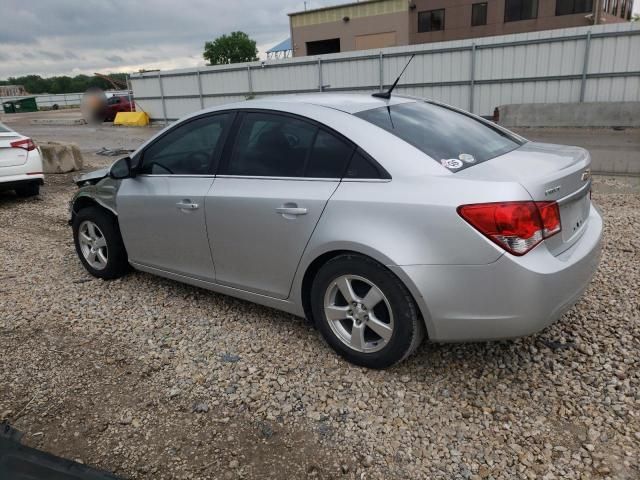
[[67, 36], [115, 58], [51, 55]]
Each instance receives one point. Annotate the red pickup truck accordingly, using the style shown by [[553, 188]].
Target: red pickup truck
[[117, 103]]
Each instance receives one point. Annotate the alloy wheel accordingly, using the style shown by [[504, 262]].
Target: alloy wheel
[[93, 245], [358, 313]]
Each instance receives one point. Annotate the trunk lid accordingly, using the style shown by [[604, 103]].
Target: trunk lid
[[9, 156], [548, 172]]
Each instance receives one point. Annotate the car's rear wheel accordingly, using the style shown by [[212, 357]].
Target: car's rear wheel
[[365, 312], [99, 244], [31, 189]]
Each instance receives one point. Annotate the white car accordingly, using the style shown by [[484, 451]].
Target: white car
[[20, 163]]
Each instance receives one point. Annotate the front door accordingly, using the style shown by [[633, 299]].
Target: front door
[[162, 210], [269, 194]]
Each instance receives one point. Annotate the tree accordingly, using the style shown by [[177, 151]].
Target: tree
[[36, 84], [236, 47]]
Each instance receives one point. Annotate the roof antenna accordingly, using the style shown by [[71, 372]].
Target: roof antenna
[[387, 94]]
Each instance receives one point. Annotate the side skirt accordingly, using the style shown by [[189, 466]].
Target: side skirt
[[283, 305]]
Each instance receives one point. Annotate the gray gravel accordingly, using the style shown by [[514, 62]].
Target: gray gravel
[[153, 379]]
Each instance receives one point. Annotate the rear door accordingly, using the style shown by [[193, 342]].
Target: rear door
[[273, 185], [162, 210]]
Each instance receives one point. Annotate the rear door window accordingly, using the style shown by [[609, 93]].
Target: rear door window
[[329, 156], [455, 140], [271, 145], [361, 167]]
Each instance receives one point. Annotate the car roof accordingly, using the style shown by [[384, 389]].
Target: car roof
[[345, 102]]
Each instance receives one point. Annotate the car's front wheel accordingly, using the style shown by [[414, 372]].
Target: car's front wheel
[[364, 312], [99, 244]]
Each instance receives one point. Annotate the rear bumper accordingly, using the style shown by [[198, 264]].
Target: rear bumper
[[511, 297], [13, 181]]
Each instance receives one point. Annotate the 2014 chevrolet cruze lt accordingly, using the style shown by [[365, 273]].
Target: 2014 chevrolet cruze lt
[[382, 220]]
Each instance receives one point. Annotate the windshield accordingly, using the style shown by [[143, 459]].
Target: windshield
[[454, 139], [4, 129]]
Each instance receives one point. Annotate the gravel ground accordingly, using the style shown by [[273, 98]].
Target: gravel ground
[[149, 378]]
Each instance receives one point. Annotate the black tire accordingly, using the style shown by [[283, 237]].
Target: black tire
[[31, 189], [408, 331], [117, 260]]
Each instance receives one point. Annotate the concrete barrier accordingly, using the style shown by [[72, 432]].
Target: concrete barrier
[[596, 114], [60, 157], [132, 119]]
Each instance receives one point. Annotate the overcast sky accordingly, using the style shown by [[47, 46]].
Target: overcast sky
[[56, 37]]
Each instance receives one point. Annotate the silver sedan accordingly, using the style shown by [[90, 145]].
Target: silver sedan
[[380, 220]]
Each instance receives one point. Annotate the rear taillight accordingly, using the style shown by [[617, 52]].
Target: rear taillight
[[26, 144], [515, 226]]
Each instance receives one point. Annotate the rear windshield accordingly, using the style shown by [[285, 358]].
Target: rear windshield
[[454, 139], [4, 129]]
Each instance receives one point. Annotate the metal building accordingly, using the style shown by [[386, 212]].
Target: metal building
[[387, 23]]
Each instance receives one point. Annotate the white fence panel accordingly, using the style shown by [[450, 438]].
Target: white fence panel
[[182, 106], [147, 86], [599, 63], [152, 106], [360, 73], [215, 82], [288, 77], [182, 85]]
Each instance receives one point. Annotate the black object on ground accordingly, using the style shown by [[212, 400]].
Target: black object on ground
[[19, 462], [113, 152]]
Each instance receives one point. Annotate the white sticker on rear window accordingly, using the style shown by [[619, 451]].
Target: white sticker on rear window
[[452, 163], [467, 158]]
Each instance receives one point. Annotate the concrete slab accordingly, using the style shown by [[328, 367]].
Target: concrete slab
[[58, 121], [587, 114], [60, 157]]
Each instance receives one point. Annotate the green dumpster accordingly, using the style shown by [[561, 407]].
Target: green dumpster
[[27, 104], [9, 107]]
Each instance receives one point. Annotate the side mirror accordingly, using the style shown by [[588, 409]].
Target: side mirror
[[121, 169]]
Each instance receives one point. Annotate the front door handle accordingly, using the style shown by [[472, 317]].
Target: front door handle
[[291, 211], [187, 205]]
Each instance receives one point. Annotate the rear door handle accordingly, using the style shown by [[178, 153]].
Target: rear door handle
[[291, 210], [187, 205]]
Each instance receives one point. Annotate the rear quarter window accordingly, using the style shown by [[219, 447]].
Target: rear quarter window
[[455, 140]]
